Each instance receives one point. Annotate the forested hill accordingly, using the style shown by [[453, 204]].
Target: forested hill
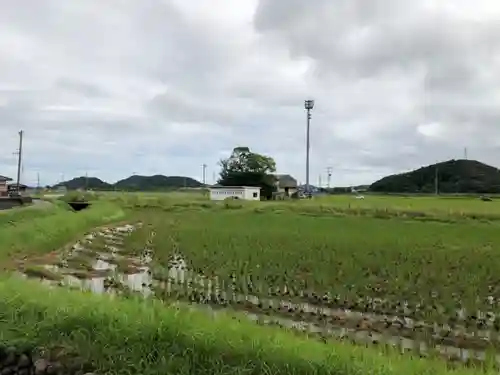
[[133, 183], [453, 176], [156, 182]]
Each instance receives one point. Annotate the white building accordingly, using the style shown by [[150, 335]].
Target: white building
[[219, 193]]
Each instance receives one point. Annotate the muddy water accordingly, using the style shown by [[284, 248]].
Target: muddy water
[[103, 275]]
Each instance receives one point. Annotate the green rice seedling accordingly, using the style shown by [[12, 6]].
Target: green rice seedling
[[317, 257], [80, 262]]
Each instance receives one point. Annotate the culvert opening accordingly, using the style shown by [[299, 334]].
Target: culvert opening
[[78, 206]]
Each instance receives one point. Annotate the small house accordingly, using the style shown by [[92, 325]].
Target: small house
[[219, 193], [12, 189], [4, 189], [286, 185], [61, 189]]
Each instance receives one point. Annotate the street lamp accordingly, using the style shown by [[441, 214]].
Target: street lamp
[[308, 105]]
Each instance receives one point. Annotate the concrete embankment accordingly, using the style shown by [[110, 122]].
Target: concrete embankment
[[8, 203]]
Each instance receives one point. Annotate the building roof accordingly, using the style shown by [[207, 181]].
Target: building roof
[[286, 181], [14, 185], [233, 187], [5, 179]]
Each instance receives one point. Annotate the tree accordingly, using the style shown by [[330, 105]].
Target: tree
[[246, 168]]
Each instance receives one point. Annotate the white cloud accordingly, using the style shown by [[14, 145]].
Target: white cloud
[[157, 86]]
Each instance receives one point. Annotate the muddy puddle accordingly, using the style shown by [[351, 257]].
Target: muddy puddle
[[100, 263], [107, 270]]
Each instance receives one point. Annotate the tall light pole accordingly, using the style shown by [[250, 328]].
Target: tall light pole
[[329, 174], [204, 166], [308, 105]]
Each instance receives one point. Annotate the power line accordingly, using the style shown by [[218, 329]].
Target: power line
[[436, 181]]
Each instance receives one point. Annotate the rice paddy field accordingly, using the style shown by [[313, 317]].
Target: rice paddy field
[[333, 285]]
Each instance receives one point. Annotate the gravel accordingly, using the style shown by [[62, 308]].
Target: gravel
[[16, 362]]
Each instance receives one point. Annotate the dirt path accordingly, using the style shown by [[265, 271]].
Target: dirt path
[[40, 203]]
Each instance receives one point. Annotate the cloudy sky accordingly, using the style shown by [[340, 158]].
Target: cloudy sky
[[118, 87]]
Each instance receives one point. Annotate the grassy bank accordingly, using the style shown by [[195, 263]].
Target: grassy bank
[[38, 231], [440, 209], [132, 337], [17, 215]]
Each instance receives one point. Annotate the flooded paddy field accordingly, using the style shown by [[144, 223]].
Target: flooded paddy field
[[423, 288]]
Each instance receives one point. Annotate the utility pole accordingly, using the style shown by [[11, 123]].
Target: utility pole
[[204, 174], [329, 176], [38, 180], [436, 181], [308, 105], [214, 178], [19, 160], [319, 180], [465, 153], [86, 181]]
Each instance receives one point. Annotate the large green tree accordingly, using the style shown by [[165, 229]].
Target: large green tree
[[246, 168]]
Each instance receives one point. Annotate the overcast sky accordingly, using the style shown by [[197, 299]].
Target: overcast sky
[[119, 87]]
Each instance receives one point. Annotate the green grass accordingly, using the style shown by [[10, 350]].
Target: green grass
[[441, 209], [337, 244], [131, 337], [440, 204], [42, 231], [17, 215]]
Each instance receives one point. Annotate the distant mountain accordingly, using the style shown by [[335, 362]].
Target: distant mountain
[[156, 182], [83, 182], [453, 176], [133, 183]]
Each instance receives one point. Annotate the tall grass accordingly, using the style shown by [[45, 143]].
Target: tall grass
[[21, 214], [47, 231], [149, 338]]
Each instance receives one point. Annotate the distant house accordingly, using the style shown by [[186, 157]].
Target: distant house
[[12, 188], [4, 190], [60, 189], [219, 193], [286, 185]]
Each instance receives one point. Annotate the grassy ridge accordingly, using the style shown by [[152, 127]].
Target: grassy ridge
[[441, 209], [49, 229], [131, 337], [20, 214]]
